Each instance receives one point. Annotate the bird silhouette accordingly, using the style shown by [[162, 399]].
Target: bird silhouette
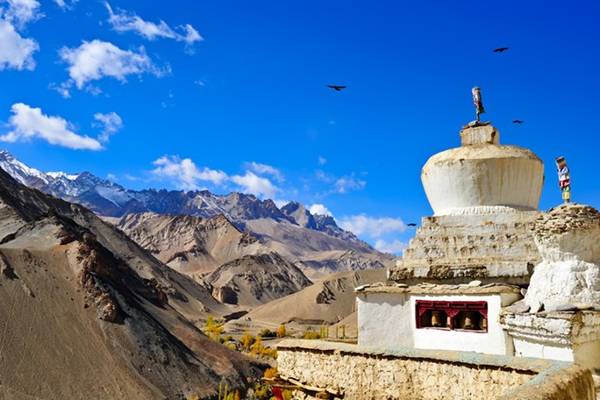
[[337, 88], [411, 224], [500, 49], [517, 121]]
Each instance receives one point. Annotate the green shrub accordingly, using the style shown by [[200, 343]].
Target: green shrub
[[267, 333]]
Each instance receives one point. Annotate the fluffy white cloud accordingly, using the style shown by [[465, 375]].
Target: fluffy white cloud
[[96, 59], [322, 160], [29, 122], [110, 124], [16, 52], [348, 184], [21, 12], [254, 184], [185, 173], [392, 247], [264, 169], [319, 209], [122, 21], [372, 226]]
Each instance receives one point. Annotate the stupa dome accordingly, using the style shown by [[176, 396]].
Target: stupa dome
[[482, 176]]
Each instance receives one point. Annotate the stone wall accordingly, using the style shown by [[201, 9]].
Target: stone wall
[[346, 371], [496, 247]]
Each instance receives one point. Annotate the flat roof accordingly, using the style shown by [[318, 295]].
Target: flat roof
[[472, 288]]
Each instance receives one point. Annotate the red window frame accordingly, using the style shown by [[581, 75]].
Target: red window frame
[[451, 308]]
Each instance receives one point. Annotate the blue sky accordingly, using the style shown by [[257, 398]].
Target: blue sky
[[246, 84]]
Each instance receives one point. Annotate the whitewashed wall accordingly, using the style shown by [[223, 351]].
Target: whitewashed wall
[[384, 320], [494, 341], [387, 321]]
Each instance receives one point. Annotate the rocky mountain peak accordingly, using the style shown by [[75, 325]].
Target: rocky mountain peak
[[299, 214]]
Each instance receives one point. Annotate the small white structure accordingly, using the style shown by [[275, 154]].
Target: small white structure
[[563, 322], [559, 335], [438, 317]]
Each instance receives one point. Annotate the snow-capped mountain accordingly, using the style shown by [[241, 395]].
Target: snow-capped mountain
[[293, 226]]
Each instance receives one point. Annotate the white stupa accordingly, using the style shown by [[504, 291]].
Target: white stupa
[[483, 176], [484, 196]]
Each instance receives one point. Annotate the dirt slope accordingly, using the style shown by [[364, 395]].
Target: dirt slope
[[325, 302]]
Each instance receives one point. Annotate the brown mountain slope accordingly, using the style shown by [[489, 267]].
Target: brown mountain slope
[[191, 245], [256, 279], [325, 302], [85, 313]]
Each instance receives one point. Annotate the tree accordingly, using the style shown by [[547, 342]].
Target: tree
[[213, 328], [247, 340], [281, 331]]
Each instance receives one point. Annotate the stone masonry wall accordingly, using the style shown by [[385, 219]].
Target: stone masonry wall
[[364, 375]]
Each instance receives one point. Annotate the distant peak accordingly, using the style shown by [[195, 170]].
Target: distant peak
[[6, 155]]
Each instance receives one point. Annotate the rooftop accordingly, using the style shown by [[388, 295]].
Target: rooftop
[[472, 288]]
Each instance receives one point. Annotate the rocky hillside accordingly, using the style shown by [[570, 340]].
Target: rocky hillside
[[191, 245], [256, 279], [292, 231], [325, 302], [234, 265], [87, 313]]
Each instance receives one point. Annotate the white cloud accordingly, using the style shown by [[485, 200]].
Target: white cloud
[[185, 173], [319, 209], [347, 184], [123, 21], [66, 4], [96, 59], [280, 203], [264, 169], [28, 123], [392, 247], [323, 176], [372, 226], [254, 184], [110, 123], [322, 160], [21, 12], [16, 52]]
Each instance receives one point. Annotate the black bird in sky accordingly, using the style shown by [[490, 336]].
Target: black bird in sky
[[411, 224], [337, 88], [517, 121], [500, 49]]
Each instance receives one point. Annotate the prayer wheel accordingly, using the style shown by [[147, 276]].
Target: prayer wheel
[[437, 319]]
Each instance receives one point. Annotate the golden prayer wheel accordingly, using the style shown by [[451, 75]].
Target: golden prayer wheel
[[470, 320], [437, 318]]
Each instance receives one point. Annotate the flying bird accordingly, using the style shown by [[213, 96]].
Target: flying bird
[[517, 121], [337, 88], [500, 49], [411, 224]]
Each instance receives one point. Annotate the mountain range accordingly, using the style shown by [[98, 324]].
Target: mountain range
[[87, 313], [315, 242]]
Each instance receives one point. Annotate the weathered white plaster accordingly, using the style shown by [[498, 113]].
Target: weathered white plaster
[[383, 320], [482, 175], [388, 321], [568, 240], [564, 336]]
